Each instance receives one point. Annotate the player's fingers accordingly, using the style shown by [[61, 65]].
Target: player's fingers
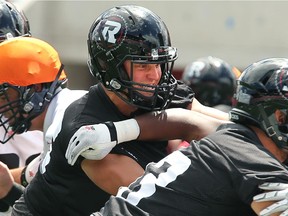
[[74, 153], [273, 186], [276, 207], [71, 146], [270, 196]]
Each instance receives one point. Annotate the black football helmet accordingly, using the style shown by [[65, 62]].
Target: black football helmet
[[212, 80], [262, 89], [137, 34], [13, 22]]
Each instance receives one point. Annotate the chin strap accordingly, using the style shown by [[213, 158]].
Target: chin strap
[[51, 92], [271, 130]]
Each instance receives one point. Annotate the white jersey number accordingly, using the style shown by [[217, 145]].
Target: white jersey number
[[161, 174]]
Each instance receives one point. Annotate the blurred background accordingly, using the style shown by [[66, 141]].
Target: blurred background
[[239, 32]]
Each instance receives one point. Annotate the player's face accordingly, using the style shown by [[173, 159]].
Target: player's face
[[149, 74], [9, 103]]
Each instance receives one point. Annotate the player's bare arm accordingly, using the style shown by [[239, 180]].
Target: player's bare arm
[[112, 172], [210, 111], [96, 141]]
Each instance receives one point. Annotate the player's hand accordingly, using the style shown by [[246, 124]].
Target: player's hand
[[6, 180], [94, 142], [275, 192]]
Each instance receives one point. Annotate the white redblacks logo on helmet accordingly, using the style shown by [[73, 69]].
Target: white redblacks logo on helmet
[[110, 33]]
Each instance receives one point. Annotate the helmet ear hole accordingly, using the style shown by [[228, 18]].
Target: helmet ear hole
[[280, 116], [103, 64]]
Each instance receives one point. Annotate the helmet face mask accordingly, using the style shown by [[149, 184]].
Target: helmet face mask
[[10, 103], [13, 22], [262, 92], [20, 105], [11, 106], [136, 34]]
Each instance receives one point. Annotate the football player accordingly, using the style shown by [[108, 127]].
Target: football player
[[213, 80], [22, 149], [131, 55], [218, 175], [33, 96]]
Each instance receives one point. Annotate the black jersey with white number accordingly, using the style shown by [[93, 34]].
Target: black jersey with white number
[[62, 189], [218, 176]]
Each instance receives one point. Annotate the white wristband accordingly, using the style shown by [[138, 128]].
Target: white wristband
[[127, 130]]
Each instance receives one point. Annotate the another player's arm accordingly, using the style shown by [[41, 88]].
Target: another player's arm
[[206, 110], [168, 124], [112, 171], [176, 124], [16, 173], [9, 190], [96, 141]]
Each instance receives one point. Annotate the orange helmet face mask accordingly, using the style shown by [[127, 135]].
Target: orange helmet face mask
[[32, 68]]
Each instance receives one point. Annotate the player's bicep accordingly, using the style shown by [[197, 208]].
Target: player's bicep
[[112, 171]]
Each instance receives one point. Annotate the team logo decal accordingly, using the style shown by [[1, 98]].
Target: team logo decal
[[196, 68], [281, 82], [110, 33]]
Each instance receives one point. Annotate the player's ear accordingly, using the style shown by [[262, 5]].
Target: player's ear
[[280, 116]]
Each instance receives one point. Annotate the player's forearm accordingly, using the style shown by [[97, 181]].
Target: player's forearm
[[176, 124], [16, 173], [215, 113], [94, 142], [9, 190], [209, 111]]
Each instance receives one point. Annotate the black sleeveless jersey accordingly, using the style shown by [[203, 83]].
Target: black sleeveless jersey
[[62, 189], [218, 175]]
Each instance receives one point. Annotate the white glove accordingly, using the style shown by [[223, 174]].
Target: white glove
[[94, 142], [276, 192]]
